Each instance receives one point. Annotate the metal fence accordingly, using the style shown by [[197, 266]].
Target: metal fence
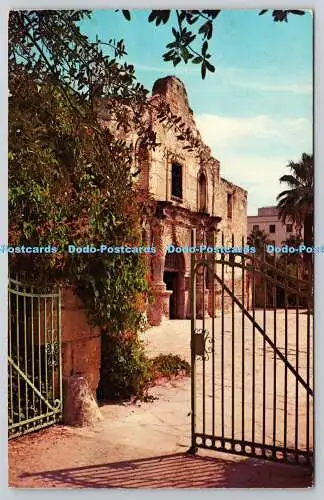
[[34, 358], [252, 355]]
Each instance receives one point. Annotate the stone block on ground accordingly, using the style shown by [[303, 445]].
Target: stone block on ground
[[79, 405]]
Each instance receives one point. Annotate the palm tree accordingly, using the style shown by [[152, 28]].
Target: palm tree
[[297, 202], [294, 240], [258, 239]]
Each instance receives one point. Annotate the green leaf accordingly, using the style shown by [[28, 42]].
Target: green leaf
[[168, 56], [165, 16], [152, 16], [297, 12], [126, 14], [210, 67], [204, 48], [185, 54], [203, 70]]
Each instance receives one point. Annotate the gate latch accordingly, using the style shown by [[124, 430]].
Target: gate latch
[[199, 338]]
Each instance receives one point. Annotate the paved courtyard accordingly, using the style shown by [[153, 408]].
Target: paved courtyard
[[143, 445], [278, 397]]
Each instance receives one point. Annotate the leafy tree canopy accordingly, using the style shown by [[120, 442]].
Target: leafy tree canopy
[[189, 25], [70, 179], [49, 45]]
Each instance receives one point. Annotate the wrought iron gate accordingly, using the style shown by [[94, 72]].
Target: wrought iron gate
[[34, 358], [251, 356]]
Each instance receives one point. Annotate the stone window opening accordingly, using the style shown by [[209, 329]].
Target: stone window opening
[[229, 205], [176, 186], [289, 228], [202, 193], [272, 228]]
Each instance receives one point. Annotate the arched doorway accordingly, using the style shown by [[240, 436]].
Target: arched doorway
[[173, 277]]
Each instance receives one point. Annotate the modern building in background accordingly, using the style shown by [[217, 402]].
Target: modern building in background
[[268, 220]]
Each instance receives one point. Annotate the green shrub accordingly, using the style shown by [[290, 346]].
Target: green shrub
[[167, 365], [125, 370]]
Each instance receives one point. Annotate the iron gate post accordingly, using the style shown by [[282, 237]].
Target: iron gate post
[[193, 448]]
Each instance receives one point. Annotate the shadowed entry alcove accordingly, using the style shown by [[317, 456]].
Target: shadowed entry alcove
[[174, 278]]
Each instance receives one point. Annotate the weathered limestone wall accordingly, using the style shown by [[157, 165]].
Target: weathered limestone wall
[[155, 165], [81, 343], [237, 224], [176, 215], [179, 215], [171, 149]]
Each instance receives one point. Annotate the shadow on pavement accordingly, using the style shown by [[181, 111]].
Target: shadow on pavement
[[178, 471]]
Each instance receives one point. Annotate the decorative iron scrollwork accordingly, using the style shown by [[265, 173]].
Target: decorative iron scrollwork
[[201, 338], [52, 350], [57, 404]]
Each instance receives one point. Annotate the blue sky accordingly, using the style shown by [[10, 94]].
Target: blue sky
[[255, 111]]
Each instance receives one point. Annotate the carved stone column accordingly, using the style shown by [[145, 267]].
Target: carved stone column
[[217, 298], [159, 309], [202, 301]]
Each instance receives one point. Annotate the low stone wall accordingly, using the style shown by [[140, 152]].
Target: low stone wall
[[81, 343]]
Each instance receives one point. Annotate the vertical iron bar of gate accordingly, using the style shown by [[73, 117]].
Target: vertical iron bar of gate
[[286, 355], [265, 304], [233, 341], [59, 338], [222, 344], [204, 334], [52, 351], [17, 342], [297, 361], [243, 339], [309, 305], [274, 357], [25, 352], [33, 348], [45, 354], [192, 341], [213, 331], [253, 350], [39, 353], [10, 355]]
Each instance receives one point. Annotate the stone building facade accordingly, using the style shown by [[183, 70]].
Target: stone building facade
[[188, 192]]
